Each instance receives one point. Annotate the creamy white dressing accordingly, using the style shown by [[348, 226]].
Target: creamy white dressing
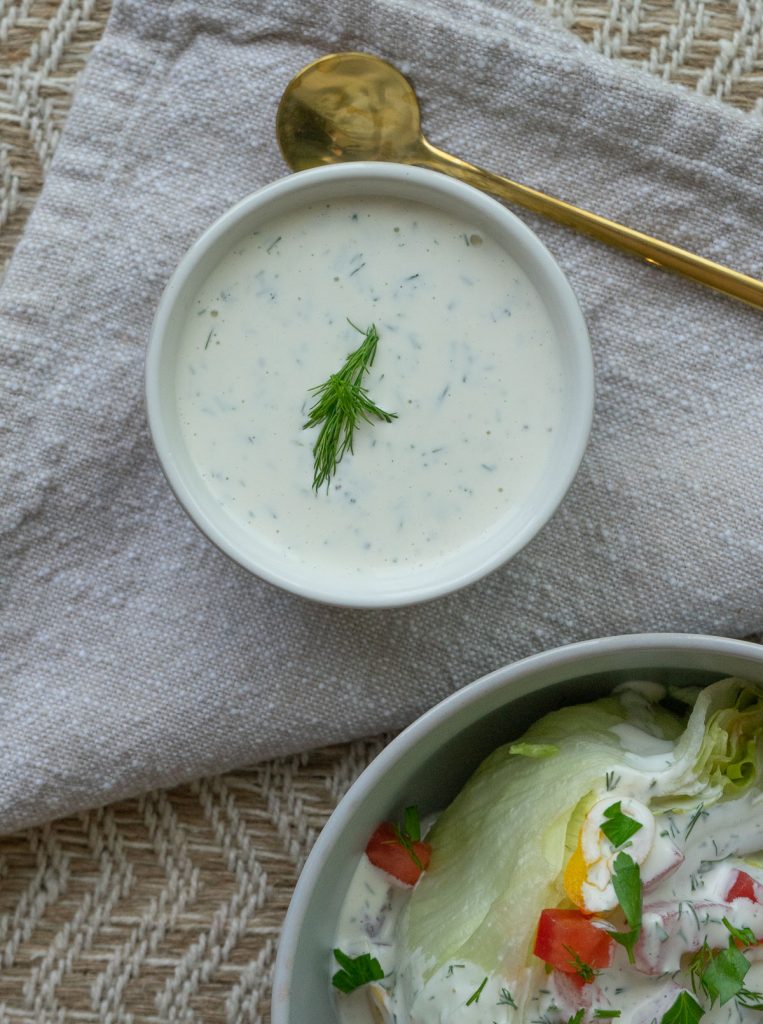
[[688, 870], [468, 360]]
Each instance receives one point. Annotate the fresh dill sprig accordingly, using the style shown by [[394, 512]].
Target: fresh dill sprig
[[506, 999], [341, 403], [582, 969]]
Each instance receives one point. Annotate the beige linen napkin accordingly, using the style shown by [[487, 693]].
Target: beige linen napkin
[[133, 653]]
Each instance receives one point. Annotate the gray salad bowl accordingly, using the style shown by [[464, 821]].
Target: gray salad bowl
[[430, 761]]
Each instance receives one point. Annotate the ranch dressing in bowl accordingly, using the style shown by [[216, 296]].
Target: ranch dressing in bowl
[[467, 359], [483, 358]]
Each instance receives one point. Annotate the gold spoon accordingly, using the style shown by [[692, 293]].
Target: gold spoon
[[353, 106]]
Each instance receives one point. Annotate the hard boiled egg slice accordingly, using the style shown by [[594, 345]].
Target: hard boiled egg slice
[[379, 1004], [588, 875]]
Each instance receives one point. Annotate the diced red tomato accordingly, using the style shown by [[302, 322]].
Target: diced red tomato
[[386, 851], [575, 980], [564, 935], [744, 887]]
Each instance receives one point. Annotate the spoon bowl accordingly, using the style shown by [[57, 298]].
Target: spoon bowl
[[348, 106], [354, 106]]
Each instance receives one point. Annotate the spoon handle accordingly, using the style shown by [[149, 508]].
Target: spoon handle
[[663, 254]]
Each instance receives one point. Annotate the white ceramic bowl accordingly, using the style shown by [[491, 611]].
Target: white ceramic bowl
[[428, 764], [406, 585]]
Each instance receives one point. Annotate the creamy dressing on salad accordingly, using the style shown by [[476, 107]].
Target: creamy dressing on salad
[[688, 861], [468, 360]]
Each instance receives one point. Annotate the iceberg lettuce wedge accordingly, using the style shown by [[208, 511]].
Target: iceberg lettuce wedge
[[499, 849]]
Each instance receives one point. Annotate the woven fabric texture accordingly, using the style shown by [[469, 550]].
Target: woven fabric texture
[[167, 907], [126, 632]]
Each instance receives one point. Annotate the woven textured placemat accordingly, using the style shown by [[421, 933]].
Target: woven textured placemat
[[168, 907]]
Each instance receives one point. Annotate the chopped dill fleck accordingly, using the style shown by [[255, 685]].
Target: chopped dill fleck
[[699, 813]]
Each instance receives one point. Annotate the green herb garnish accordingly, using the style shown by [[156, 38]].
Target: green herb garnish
[[409, 834], [750, 1000], [412, 823], [698, 963], [475, 996], [582, 969], [606, 1014], [744, 936], [341, 403], [577, 1017], [626, 880], [356, 971], [699, 813], [723, 977], [685, 1010], [721, 973], [619, 827], [506, 999]]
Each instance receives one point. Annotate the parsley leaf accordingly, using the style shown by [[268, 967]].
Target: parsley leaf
[[628, 940], [685, 1010], [723, 978], [356, 971], [475, 996], [721, 974], [626, 880], [619, 827]]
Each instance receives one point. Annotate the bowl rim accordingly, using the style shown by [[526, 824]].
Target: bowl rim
[[547, 499], [491, 683]]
